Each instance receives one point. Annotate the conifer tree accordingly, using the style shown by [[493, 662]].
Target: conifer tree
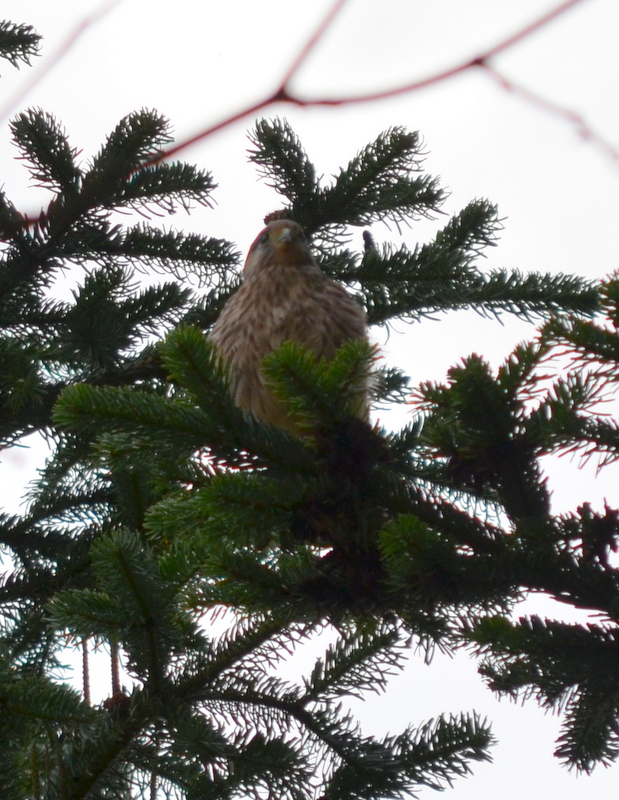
[[162, 502], [567, 667]]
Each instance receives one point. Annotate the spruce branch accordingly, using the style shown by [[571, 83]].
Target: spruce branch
[[356, 664], [316, 389], [166, 186], [164, 501], [559, 664], [179, 254], [282, 162], [18, 42], [136, 138], [44, 146], [378, 184]]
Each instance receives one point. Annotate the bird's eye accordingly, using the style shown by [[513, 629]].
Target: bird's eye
[[264, 237]]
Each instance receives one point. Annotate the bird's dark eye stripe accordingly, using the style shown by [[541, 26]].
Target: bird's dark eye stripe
[[264, 238]]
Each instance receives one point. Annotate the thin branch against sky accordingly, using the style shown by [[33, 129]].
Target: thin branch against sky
[[65, 47], [584, 130], [283, 94], [312, 42]]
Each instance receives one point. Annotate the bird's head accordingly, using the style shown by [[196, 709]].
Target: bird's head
[[281, 243]]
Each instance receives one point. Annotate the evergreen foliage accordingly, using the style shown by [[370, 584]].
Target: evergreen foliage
[[162, 503], [18, 42]]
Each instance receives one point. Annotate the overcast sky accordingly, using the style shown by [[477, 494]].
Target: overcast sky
[[198, 63]]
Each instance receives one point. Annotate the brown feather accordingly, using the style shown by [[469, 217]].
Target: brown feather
[[284, 297]]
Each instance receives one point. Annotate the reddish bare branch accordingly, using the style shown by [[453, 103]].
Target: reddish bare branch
[[583, 128], [312, 42], [529, 29], [285, 95], [280, 95], [70, 41], [172, 151], [479, 60]]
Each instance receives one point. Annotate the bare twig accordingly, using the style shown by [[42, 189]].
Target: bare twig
[[72, 38], [85, 671], [246, 112], [532, 27], [115, 664], [284, 94], [582, 127], [444, 75], [312, 42], [281, 94]]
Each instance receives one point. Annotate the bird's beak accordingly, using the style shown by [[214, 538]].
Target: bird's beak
[[285, 237]]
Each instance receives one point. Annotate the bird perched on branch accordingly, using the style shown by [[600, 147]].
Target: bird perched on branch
[[284, 296]]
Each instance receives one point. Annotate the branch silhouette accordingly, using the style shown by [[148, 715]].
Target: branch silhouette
[[583, 129], [284, 94], [72, 38]]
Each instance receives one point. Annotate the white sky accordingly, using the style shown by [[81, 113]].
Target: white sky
[[199, 62]]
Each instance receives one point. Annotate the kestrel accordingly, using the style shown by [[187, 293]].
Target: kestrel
[[284, 296]]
